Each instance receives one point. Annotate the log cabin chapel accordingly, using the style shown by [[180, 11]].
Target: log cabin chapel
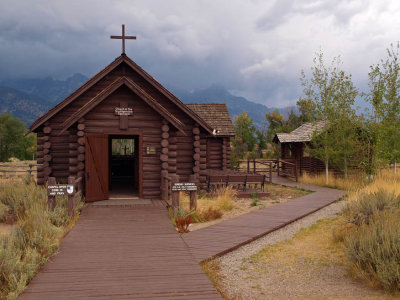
[[122, 131]]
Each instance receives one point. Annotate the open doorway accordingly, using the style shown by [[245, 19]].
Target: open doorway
[[124, 166]]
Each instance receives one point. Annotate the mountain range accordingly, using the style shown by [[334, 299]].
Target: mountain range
[[28, 99]]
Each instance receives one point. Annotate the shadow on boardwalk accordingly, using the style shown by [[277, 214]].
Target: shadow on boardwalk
[[122, 253], [226, 236]]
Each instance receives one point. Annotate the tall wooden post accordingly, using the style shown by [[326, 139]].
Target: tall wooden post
[[193, 194]]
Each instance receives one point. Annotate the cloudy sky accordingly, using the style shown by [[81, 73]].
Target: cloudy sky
[[254, 48]]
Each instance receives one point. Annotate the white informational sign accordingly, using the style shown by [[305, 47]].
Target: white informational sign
[[184, 186], [123, 111], [60, 189]]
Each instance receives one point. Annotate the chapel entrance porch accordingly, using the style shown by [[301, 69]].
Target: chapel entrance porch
[[123, 166]]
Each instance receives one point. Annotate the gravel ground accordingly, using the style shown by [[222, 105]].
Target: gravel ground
[[241, 280]]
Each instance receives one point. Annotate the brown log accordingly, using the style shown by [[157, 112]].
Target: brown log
[[47, 145], [81, 127], [81, 157], [196, 169], [47, 157], [39, 154], [80, 133], [47, 171], [164, 143], [39, 148], [152, 168], [46, 129], [196, 130], [81, 166], [164, 150], [60, 160], [73, 153], [165, 135], [81, 141], [60, 167], [73, 169], [196, 156], [172, 153], [164, 157], [151, 139], [61, 174], [173, 139], [46, 138], [164, 165], [73, 145], [197, 163], [197, 150], [171, 169], [197, 138], [81, 149], [46, 151], [165, 128], [81, 120], [172, 147], [196, 144], [73, 161]]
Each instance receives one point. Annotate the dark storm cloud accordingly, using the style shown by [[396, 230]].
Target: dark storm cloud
[[254, 48]]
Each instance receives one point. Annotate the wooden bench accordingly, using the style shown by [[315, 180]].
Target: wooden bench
[[255, 180], [240, 181]]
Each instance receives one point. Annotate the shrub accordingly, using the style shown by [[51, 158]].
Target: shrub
[[366, 205], [224, 196], [206, 214], [374, 249], [4, 209], [182, 219], [35, 238]]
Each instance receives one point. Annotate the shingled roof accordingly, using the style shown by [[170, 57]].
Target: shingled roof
[[304, 133], [216, 115]]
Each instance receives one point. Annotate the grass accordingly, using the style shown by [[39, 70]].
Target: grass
[[370, 232], [35, 236]]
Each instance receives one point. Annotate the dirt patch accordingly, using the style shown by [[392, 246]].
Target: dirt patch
[[278, 194]]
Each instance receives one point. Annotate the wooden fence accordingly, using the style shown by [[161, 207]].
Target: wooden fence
[[269, 166], [11, 170]]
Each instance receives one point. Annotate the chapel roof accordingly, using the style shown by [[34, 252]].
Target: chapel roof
[[216, 115]]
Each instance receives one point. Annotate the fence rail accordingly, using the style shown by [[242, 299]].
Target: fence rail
[[11, 169], [269, 166]]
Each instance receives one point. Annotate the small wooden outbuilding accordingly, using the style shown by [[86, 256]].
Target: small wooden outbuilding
[[293, 145], [122, 129]]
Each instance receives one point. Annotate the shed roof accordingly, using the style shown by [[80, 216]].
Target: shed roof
[[304, 133], [216, 115]]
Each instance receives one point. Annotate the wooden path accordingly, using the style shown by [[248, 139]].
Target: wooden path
[[122, 252], [226, 236]]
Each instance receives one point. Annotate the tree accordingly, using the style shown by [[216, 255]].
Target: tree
[[384, 82], [245, 138], [13, 142], [329, 96]]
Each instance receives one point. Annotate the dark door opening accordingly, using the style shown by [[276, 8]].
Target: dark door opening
[[124, 166]]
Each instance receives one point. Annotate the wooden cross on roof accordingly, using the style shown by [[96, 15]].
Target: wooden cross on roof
[[123, 37]]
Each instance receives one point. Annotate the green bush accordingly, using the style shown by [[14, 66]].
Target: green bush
[[35, 238], [360, 211], [374, 249]]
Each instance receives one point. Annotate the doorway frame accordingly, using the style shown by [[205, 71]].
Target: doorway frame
[[140, 157]]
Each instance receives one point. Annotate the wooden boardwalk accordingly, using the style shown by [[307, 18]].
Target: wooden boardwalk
[[226, 236], [122, 252]]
